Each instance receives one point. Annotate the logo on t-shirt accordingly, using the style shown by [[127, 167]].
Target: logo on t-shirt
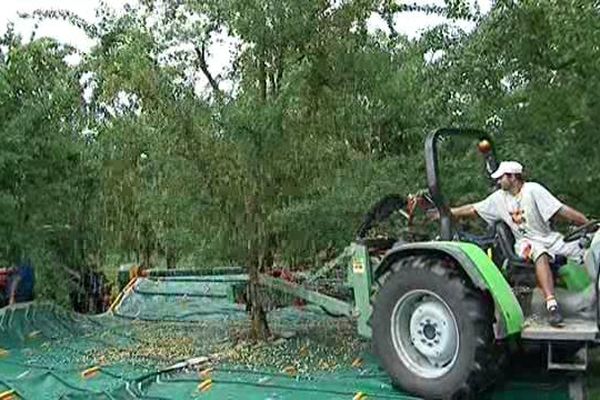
[[518, 217]]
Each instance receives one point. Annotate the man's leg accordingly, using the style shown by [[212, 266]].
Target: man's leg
[[545, 281], [544, 276]]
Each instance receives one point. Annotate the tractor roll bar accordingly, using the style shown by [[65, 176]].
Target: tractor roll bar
[[431, 165]]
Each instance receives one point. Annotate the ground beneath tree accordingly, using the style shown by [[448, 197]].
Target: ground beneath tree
[[169, 336]]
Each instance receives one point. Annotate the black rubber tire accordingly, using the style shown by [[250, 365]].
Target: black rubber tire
[[474, 314]]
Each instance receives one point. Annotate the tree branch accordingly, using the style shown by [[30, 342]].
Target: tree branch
[[201, 62], [262, 77], [389, 20], [279, 64], [386, 12]]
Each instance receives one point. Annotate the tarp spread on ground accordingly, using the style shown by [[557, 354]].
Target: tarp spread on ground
[[184, 338]]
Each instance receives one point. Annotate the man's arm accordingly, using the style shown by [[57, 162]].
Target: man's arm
[[466, 211], [572, 215], [550, 207], [487, 209]]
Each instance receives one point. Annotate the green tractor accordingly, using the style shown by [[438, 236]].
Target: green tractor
[[443, 310], [440, 313]]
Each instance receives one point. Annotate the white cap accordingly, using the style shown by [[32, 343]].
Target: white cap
[[507, 167]]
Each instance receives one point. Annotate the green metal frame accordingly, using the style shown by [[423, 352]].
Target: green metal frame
[[482, 271], [362, 284], [329, 303], [360, 277], [124, 273], [477, 265]]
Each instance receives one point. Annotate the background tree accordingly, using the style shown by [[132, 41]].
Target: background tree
[[276, 159]]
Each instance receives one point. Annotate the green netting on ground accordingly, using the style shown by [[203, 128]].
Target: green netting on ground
[[162, 322], [182, 299]]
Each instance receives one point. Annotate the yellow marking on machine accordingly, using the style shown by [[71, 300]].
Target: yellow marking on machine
[[358, 266]]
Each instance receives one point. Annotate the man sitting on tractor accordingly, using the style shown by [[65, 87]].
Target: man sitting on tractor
[[527, 208]]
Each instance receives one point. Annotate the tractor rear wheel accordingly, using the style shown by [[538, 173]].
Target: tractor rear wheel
[[432, 330]]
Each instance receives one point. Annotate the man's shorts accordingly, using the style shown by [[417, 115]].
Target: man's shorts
[[531, 250]]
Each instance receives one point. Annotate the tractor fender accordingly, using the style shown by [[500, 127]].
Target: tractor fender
[[480, 269]]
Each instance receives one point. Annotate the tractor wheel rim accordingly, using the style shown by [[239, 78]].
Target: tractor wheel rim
[[425, 334]]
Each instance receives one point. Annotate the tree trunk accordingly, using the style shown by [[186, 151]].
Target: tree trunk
[[171, 258], [255, 262], [262, 77], [258, 317]]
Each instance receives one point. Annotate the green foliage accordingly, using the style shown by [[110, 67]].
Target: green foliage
[[324, 119], [40, 152]]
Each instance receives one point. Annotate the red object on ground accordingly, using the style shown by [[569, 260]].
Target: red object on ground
[[4, 273]]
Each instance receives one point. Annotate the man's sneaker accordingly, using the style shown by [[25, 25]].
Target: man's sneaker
[[555, 318]]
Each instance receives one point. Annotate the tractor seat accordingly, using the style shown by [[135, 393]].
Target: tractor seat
[[505, 244], [484, 241], [378, 243]]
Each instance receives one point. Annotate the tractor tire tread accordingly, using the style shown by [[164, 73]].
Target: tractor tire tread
[[480, 313]]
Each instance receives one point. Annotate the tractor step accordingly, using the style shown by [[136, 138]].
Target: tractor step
[[536, 328], [565, 359]]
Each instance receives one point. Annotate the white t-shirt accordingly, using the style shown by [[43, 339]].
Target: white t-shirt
[[527, 214]]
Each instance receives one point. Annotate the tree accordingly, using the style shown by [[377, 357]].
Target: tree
[[314, 119], [41, 157]]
